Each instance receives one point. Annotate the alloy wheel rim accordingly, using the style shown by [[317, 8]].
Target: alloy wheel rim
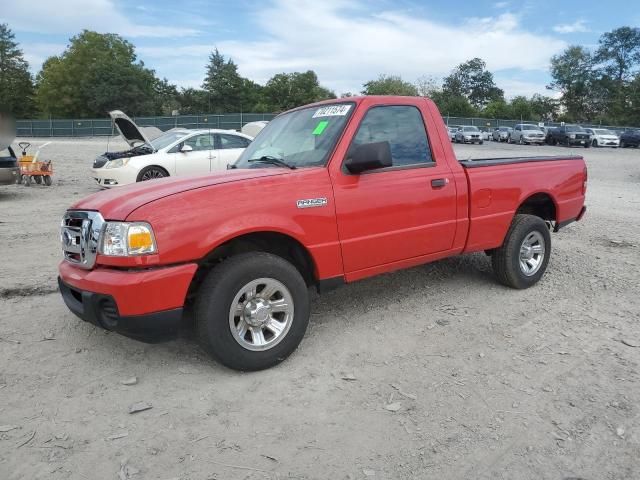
[[532, 252], [261, 314], [152, 175]]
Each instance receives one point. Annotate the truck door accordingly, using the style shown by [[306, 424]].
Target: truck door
[[404, 211]]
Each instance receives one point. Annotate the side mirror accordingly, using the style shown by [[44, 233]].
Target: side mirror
[[369, 156], [186, 148]]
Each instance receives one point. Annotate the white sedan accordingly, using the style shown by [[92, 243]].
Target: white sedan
[[176, 152]]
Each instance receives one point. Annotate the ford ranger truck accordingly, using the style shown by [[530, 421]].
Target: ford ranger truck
[[326, 194]]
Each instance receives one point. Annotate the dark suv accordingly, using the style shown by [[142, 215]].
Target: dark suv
[[630, 138], [569, 135]]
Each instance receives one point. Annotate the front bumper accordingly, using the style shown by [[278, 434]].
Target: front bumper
[[114, 177], [142, 304], [9, 176], [579, 141]]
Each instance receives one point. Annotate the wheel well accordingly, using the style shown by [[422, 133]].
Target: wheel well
[[271, 242], [540, 205], [152, 166]]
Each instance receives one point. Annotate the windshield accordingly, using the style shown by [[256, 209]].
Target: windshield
[[302, 138], [603, 131], [471, 129], [574, 128], [531, 127], [166, 139]]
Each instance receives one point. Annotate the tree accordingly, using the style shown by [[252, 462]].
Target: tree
[[544, 108], [617, 59], [16, 84], [95, 74], [389, 85], [474, 82], [288, 90], [166, 96], [497, 109], [193, 101], [572, 74], [223, 83], [453, 105]]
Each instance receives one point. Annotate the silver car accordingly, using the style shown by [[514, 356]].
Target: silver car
[[452, 132], [501, 134], [527, 133], [469, 134]]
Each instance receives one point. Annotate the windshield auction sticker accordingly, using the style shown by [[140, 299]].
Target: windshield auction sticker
[[332, 111]]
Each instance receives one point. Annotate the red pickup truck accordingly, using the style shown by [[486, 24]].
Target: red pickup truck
[[326, 194]]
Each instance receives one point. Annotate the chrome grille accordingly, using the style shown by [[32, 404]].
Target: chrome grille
[[79, 234]]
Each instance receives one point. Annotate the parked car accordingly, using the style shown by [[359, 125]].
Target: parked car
[[602, 137], [452, 132], [9, 169], [630, 138], [177, 152], [469, 134], [327, 194], [486, 134], [568, 135], [526, 133], [501, 134], [252, 129]]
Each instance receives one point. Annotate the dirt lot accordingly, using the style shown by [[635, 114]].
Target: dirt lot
[[434, 372]]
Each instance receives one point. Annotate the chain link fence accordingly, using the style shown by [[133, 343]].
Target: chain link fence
[[104, 126], [227, 121]]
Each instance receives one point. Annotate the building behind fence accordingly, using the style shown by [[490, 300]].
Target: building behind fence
[[227, 121]]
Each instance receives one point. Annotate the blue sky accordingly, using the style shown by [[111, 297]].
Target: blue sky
[[345, 42]]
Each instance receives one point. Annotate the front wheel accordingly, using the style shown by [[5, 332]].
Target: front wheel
[[252, 311], [594, 143], [151, 173], [523, 257]]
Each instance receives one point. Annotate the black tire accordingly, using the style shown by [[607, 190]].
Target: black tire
[[506, 259], [216, 295], [587, 145], [594, 143], [481, 142], [47, 180], [567, 142], [622, 144], [151, 173], [38, 179], [26, 180]]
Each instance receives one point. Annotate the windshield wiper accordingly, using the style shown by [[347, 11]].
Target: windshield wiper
[[273, 161]]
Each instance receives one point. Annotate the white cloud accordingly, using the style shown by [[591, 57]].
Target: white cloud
[[579, 26], [37, 53], [500, 5], [347, 45], [65, 16]]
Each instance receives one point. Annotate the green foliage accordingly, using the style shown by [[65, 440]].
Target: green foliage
[[16, 84], [95, 74], [389, 85], [572, 73], [473, 81], [453, 105], [288, 90], [223, 84]]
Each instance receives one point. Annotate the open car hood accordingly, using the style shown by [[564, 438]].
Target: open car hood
[[132, 134]]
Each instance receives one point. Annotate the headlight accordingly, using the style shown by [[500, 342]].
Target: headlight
[[124, 239], [117, 163], [573, 135]]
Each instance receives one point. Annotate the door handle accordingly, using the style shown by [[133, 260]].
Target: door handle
[[439, 182]]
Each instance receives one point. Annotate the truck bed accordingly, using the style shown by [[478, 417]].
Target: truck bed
[[498, 186]]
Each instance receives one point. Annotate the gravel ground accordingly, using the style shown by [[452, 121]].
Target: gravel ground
[[433, 372]]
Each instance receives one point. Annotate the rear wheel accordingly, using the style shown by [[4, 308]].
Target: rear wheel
[[151, 173], [26, 180], [523, 257], [47, 180], [38, 179], [252, 311]]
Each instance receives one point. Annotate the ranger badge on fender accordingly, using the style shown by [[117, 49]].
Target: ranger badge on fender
[[312, 202]]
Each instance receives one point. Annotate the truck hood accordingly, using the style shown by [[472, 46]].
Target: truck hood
[[128, 129], [118, 203]]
